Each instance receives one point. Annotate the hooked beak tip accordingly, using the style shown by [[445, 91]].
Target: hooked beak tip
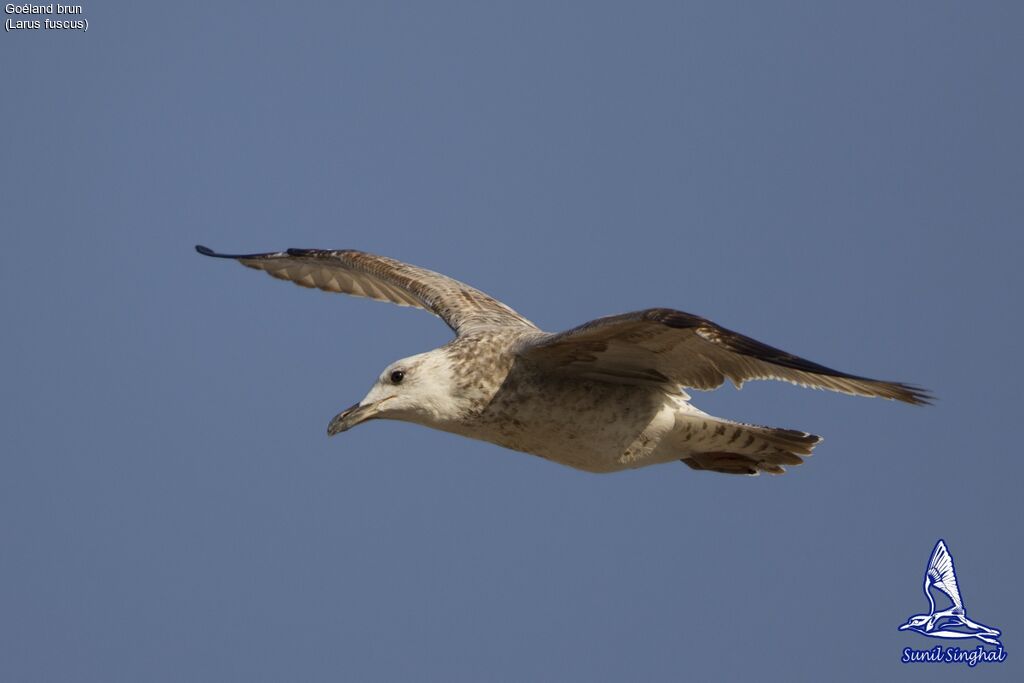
[[351, 416]]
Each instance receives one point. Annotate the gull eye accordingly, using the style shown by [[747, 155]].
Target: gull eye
[[397, 376]]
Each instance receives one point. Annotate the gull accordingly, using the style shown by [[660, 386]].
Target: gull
[[602, 397], [941, 575]]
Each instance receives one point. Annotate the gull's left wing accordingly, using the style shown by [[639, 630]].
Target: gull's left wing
[[672, 348]]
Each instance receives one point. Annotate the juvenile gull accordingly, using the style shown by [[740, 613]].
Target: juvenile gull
[[602, 397]]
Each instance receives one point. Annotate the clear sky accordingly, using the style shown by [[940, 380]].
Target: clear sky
[[844, 181]]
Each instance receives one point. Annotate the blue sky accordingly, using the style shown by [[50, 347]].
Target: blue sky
[[840, 180]]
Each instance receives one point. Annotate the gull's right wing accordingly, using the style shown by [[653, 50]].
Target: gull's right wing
[[384, 279], [942, 575]]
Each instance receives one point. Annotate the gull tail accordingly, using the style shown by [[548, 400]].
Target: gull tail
[[720, 445]]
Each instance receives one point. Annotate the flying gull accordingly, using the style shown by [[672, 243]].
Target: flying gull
[[602, 397], [951, 622]]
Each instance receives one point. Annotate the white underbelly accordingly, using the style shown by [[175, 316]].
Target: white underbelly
[[587, 425]]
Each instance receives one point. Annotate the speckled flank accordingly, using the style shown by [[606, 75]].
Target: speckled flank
[[590, 425]]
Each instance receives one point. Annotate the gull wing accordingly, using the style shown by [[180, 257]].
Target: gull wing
[[668, 347], [941, 574], [348, 271]]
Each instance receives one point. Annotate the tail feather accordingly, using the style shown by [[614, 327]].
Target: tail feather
[[719, 445]]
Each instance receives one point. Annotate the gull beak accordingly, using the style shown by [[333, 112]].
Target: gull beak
[[905, 626], [353, 415]]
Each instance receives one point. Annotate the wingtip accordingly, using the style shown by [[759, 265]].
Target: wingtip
[[918, 396], [206, 251]]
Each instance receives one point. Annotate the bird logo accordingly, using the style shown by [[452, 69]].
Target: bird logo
[[951, 622]]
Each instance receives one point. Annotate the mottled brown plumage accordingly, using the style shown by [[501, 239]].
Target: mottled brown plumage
[[664, 346], [601, 397]]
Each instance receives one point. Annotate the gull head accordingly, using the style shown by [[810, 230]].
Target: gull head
[[917, 622], [415, 389]]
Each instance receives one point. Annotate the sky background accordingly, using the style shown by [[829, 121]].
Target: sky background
[[844, 181]]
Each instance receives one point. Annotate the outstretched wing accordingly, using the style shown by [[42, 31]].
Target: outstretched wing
[[384, 279], [663, 346], [942, 575]]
